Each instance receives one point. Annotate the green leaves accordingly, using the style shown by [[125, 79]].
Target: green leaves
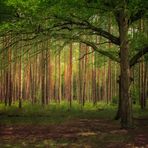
[[139, 40], [72, 19], [6, 12]]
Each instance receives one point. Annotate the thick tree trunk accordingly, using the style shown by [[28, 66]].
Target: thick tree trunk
[[126, 103]]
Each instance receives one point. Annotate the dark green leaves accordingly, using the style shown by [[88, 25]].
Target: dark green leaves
[[6, 12]]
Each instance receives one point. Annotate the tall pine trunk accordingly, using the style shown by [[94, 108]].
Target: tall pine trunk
[[70, 76]]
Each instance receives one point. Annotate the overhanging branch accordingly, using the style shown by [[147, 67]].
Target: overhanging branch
[[102, 52], [135, 58], [69, 23]]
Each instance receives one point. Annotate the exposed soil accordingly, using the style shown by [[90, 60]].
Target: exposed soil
[[78, 133]]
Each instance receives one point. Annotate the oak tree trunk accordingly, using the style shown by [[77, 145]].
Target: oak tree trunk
[[126, 103]]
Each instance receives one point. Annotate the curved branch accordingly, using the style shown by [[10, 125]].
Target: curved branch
[[135, 58], [88, 43], [102, 52], [70, 23]]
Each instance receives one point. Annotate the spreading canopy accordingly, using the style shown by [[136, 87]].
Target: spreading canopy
[[76, 21]]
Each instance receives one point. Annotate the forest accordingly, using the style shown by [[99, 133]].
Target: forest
[[74, 73]]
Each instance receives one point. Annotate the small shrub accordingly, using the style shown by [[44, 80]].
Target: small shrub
[[115, 100]]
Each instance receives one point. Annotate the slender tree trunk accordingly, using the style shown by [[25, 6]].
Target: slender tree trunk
[[10, 78], [142, 79], [143, 71], [80, 75], [118, 114], [59, 77], [70, 76], [99, 97], [46, 74], [55, 80], [104, 96], [109, 82], [20, 83], [49, 76], [146, 80], [109, 86], [43, 78]]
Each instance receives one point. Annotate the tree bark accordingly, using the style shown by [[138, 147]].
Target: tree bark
[[70, 76], [118, 114], [126, 103]]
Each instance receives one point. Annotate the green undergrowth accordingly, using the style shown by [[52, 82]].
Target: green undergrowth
[[54, 113], [60, 113], [140, 113]]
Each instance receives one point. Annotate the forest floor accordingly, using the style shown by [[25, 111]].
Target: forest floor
[[78, 133], [57, 127]]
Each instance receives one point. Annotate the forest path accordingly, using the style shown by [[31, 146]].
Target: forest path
[[81, 133]]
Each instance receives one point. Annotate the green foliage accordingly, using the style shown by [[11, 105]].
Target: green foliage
[[48, 15], [139, 113], [6, 12], [54, 113], [115, 100], [58, 114], [139, 40], [135, 94]]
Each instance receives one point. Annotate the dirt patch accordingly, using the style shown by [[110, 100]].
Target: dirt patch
[[89, 133]]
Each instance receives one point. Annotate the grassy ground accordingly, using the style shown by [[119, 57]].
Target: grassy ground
[[58, 126], [54, 113]]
